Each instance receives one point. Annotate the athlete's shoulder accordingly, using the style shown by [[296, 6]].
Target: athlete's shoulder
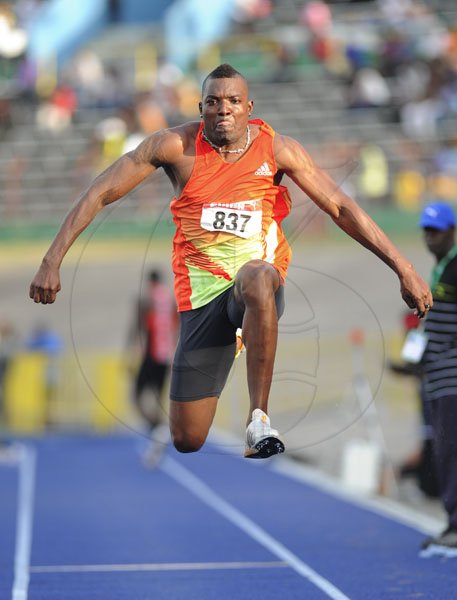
[[289, 153], [186, 133], [167, 146]]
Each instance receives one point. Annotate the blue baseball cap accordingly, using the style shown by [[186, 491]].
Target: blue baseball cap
[[437, 215]]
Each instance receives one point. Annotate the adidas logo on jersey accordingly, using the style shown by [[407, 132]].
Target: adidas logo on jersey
[[264, 169]]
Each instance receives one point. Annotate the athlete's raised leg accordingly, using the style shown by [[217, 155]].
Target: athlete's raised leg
[[255, 287]]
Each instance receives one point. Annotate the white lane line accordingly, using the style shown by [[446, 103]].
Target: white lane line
[[197, 487], [24, 523], [208, 566], [10, 455]]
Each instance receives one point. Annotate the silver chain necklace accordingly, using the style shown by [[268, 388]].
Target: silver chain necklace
[[237, 151]]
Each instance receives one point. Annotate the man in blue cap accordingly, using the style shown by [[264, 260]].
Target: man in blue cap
[[440, 365]]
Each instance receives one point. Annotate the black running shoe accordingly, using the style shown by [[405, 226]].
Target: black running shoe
[[261, 440]]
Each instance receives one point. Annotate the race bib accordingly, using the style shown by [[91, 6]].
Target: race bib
[[240, 218], [414, 346]]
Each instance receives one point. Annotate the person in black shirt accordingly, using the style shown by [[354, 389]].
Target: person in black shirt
[[440, 365]]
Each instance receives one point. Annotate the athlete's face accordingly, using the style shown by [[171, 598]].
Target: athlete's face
[[439, 242], [226, 109]]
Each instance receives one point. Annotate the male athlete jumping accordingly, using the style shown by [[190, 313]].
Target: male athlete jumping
[[230, 257]]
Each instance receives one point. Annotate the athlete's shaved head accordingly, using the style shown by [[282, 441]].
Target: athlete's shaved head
[[225, 107], [224, 71]]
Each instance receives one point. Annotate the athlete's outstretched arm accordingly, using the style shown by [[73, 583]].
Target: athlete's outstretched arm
[[347, 214], [111, 185]]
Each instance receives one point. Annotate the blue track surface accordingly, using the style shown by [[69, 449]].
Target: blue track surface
[[8, 503], [105, 528]]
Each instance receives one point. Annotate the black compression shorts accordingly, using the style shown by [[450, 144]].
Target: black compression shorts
[[206, 346]]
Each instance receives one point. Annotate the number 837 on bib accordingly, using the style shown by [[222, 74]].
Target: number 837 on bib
[[241, 218]]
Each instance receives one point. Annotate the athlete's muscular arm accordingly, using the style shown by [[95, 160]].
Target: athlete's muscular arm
[[161, 148], [292, 159]]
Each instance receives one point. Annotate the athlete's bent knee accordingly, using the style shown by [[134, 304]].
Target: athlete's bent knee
[[186, 443], [257, 281]]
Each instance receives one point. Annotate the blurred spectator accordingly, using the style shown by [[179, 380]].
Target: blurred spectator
[[411, 80], [409, 188], [49, 343], [13, 192], [116, 90], [317, 19], [419, 465], [5, 116], [88, 75], [55, 114], [445, 158], [44, 339], [105, 146], [394, 11], [99, 84], [153, 336], [164, 91], [150, 117], [362, 48], [419, 118], [442, 186], [443, 181], [373, 180], [118, 134], [110, 135], [8, 348], [247, 13], [15, 69], [188, 97], [368, 89], [440, 363], [13, 39]]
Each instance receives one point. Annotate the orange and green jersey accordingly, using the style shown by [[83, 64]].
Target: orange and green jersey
[[226, 215]]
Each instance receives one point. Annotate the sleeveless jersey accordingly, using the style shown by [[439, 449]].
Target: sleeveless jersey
[[226, 215]]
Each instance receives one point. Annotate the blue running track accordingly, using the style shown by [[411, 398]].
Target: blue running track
[[82, 519]]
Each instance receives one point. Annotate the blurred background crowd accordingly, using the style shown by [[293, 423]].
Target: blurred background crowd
[[371, 84]]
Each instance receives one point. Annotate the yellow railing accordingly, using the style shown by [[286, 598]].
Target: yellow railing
[[91, 391]]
